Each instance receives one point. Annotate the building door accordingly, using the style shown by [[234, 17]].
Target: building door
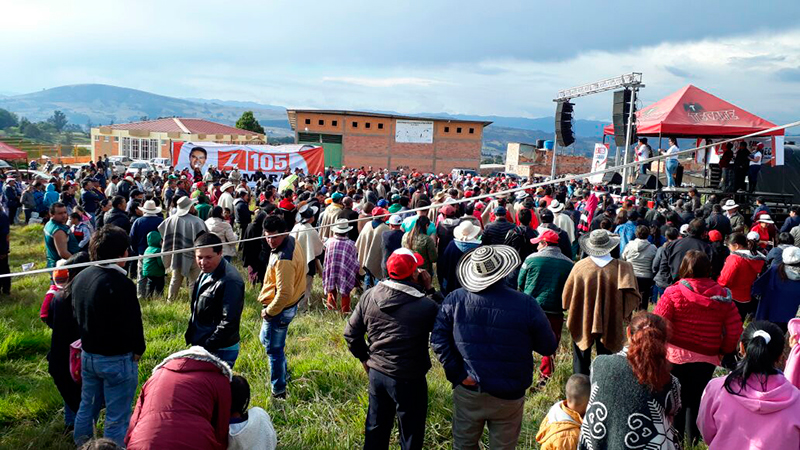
[[332, 143]]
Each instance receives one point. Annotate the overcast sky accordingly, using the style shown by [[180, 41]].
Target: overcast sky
[[473, 57]]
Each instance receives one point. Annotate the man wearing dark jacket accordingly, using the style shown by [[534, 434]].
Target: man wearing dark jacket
[[717, 220], [564, 244], [242, 213], [112, 336], [495, 232], [217, 302], [485, 335], [675, 251], [117, 216], [397, 318], [391, 240], [12, 198]]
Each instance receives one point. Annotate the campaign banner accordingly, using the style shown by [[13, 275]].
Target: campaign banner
[[253, 161], [599, 162]]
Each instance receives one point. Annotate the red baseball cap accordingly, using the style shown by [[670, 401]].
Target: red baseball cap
[[378, 211], [549, 236], [402, 263], [714, 236], [448, 210]]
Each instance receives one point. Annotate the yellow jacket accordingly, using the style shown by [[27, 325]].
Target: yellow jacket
[[561, 429], [285, 278]]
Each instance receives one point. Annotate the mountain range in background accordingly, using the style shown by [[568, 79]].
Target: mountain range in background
[[99, 104]]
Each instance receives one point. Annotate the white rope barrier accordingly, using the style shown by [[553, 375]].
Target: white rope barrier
[[423, 208]]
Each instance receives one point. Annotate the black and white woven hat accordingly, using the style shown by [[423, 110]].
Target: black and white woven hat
[[598, 242], [485, 266]]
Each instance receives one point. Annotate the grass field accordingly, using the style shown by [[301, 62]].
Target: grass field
[[327, 394]]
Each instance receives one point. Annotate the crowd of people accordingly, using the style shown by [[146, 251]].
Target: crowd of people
[[479, 269]]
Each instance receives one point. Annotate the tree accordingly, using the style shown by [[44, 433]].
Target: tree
[[58, 120], [7, 119], [248, 122], [31, 130]]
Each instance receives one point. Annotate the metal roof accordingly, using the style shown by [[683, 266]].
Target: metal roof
[[292, 114], [182, 125]]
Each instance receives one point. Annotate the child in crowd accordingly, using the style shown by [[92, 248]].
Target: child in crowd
[[82, 230], [153, 267], [250, 429], [561, 428], [792, 371], [60, 279]]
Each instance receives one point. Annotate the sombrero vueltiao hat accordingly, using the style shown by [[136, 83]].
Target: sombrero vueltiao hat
[[598, 242], [485, 266]]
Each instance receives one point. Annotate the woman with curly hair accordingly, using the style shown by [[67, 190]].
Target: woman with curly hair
[[634, 397]]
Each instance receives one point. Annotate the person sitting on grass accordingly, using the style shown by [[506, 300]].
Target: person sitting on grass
[[250, 429], [561, 428]]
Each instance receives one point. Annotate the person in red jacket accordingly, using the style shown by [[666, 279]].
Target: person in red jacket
[[705, 324], [186, 404], [740, 271]]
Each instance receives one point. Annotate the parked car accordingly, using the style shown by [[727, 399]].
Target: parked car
[[143, 167], [161, 163], [117, 167], [125, 160], [463, 172], [28, 175]]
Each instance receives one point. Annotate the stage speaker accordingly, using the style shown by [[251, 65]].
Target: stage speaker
[[565, 136], [648, 181], [623, 102], [612, 178]]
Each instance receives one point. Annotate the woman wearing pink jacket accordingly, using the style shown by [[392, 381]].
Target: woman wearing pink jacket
[[755, 406]]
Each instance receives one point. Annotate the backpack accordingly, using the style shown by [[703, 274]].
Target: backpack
[[516, 238]]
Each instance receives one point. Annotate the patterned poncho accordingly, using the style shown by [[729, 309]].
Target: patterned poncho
[[341, 265]]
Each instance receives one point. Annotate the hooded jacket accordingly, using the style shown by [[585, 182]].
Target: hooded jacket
[[703, 317], [51, 196], [397, 318], [760, 417], [560, 429], [186, 404], [640, 253], [224, 231], [740, 271], [153, 266]]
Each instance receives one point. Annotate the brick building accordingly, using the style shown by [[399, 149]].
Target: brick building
[[356, 139], [153, 138], [526, 160]]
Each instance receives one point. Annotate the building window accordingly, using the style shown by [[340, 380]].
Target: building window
[[458, 130], [446, 129], [472, 131], [116, 138], [105, 138], [335, 123], [308, 121], [139, 148], [321, 122], [366, 125], [380, 126], [97, 138], [355, 124]]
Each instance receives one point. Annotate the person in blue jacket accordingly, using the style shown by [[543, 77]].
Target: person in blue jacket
[[485, 335], [51, 195]]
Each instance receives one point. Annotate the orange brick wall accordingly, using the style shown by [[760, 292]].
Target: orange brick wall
[[377, 147]]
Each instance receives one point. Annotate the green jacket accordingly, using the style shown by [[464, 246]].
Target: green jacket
[[202, 210], [543, 276], [153, 267]]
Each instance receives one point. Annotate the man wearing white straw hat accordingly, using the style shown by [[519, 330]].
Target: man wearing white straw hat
[[226, 198], [141, 227], [485, 336], [736, 218], [466, 237], [600, 294], [179, 232]]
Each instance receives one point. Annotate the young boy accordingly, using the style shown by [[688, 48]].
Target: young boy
[[249, 429], [60, 279], [153, 268], [81, 230], [561, 429]]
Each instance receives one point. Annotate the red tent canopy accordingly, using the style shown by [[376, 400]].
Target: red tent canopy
[[9, 152], [693, 112]]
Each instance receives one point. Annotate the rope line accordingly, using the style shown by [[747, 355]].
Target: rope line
[[422, 208]]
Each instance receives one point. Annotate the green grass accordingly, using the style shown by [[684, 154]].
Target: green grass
[[327, 394]]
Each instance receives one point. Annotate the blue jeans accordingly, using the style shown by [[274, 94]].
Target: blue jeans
[[369, 279], [671, 167], [228, 355], [273, 337], [111, 377]]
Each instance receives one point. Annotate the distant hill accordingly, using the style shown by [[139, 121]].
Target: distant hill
[[102, 104]]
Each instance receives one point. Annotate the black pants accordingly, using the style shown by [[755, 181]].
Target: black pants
[[693, 377], [746, 309], [646, 289], [408, 398], [153, 286], [5, 283], [582, 359]]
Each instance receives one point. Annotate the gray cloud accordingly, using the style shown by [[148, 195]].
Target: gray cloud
[[790, 75], [678, 72]]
